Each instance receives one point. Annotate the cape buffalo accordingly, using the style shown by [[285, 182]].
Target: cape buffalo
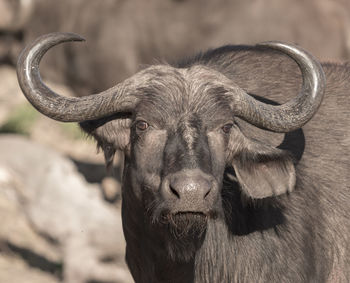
[[207, 197], [173, 28]]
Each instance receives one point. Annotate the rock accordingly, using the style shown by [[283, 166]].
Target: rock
[[64, 210], [10, 93], [13, 269], [111, 189], [16, 230]]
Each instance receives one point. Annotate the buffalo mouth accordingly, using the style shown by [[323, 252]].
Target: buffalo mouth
[[186, 224]]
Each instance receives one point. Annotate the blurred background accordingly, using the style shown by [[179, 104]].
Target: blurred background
[[59, 210]]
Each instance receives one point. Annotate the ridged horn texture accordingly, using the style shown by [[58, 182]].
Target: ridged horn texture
[[55, 106], [297, 111]]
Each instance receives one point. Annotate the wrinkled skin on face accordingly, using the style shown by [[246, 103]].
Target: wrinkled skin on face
[[178, 142]]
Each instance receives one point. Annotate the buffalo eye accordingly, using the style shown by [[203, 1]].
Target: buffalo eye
[[226, 128], [141, 125]]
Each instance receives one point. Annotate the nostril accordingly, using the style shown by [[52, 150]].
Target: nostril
[[174, 191], [207, 193]]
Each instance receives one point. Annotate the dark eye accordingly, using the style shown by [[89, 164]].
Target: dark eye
[[226, 128], [142, 125]]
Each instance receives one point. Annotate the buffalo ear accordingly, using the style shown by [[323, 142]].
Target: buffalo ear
[[109, 153], [264, 171], [111, 133]]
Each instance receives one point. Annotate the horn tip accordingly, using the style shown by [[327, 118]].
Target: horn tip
[[58, 37], [67, 36], [77, 37]]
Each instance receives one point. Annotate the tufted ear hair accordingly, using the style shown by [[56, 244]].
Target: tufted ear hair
[[264, 171], [111, 133]]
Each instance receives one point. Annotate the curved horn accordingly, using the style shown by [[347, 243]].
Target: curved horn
[[294, 113], [55, 106]]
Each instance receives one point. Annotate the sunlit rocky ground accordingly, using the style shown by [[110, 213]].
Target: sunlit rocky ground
[[60, 213]]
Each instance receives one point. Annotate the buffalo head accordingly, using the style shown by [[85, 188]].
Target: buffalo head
[[177, 129]]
